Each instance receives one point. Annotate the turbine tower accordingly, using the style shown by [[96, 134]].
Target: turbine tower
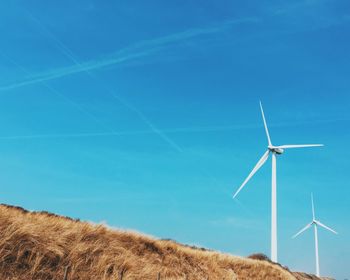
[[274, 151], [315, 223]]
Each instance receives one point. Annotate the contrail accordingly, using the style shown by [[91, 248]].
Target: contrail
[[72, 135], [138, 50], [198, 129], [125, 133], [67, 52], [70, 55], [59, 94], [121, 133], [66, 71]]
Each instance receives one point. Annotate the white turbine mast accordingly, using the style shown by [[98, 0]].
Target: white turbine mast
[[315, 223], [273, 150]]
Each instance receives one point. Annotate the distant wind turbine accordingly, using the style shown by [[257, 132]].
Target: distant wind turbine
[[274, 150], [315, 223]]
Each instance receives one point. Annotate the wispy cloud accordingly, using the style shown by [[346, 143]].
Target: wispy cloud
[[308, 15]]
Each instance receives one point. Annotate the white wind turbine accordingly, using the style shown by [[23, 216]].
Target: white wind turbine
[[274, 150], [315, 223]]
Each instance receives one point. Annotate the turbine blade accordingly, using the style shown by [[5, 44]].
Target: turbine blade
[[312, 205], [299, 146], [265, 125], [326, 227], [260, 163], [302, 230]]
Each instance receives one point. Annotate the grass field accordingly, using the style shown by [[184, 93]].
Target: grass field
[[39, 245]]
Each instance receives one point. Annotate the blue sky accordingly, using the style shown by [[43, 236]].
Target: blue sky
[[145, 115]]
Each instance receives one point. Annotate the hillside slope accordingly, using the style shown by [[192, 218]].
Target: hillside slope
[[39, 245]]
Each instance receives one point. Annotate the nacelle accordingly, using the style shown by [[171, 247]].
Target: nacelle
[[279, 151], [276, 150]]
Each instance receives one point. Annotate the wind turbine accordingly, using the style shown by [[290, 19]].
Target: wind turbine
[[315, 223], [273, 150]]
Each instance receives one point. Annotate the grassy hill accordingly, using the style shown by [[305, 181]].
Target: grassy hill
[[39, 245]]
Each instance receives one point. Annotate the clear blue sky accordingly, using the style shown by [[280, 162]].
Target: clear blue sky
[[145, 115]]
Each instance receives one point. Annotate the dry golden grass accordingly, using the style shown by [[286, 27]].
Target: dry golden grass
[[40, 246]]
